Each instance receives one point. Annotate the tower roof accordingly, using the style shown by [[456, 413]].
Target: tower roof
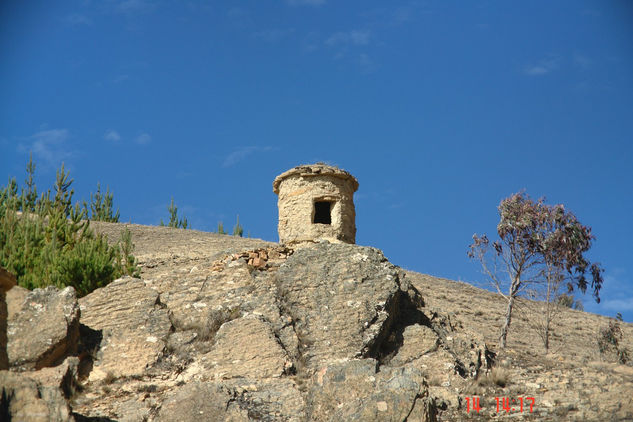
[[314, 170]]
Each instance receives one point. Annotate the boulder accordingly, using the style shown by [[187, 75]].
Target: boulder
[[244, 348], [200, 302], [7, 281], [236, 400], [26, 400], [342, 300], [63, 376], [418, 340], [228, 286], [42, 326], [201, 401], [195, 299], [133, 325], [355, 391], [15, 299]]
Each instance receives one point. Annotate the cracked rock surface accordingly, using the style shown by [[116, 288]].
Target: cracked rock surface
[[220, 328], [255, 336], [42, 326]]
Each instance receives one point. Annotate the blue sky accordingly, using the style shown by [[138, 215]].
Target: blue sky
[[440, 109]]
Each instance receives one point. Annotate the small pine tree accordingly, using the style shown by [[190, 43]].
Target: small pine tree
[[101, 206], [173, 217], [221, 228], [53, 244], [127, 262], [29, 195], [63, 196], [238, 230]]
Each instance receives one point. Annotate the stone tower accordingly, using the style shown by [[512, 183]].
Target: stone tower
[[316, 201]]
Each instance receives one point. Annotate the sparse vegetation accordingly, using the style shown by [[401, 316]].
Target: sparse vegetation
[[206, 331], [609, 342], [109, 378], [128, 261], [546, 307], [238, 230], [174, 221], [147, 388], [541, 247], [48, 241], [568, 301], [498, 376]]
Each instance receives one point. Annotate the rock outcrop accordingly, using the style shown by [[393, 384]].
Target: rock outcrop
[[26, 400], [355, 390], [132, 325], [327, 332], [343, 301], [257, 336], [42, 326], [7, 282]]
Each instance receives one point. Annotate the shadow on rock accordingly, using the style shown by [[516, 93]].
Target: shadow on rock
[[89, 345]]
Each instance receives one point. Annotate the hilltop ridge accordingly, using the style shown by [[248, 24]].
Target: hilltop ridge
[[244, 329]]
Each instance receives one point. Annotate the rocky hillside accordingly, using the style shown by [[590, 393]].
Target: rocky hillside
[[220, 328]]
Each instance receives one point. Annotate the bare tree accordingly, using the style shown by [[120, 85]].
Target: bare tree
[[545, 306], [538, 244]]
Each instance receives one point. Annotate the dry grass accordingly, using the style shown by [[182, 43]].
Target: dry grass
[[109, 378], [147, 388], [498, 376], [435, 381], [481, 313], [206, 330]]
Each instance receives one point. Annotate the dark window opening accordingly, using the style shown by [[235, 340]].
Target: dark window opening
[[322, 212]]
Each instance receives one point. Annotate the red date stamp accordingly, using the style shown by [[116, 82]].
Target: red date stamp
[[504, 404]]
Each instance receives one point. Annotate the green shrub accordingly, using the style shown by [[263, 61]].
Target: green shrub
[[48, 241]]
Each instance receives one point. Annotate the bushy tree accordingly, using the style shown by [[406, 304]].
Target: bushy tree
[[538, 244]]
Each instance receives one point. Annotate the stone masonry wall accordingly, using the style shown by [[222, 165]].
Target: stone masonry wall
[[297, 194]]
